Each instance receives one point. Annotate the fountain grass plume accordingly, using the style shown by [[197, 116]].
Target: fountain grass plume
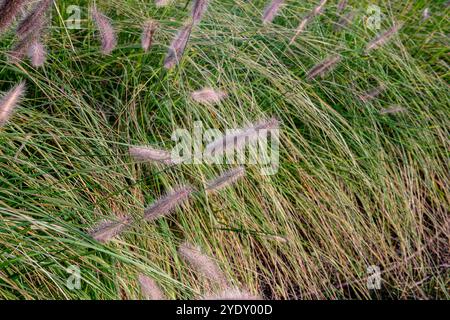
[[225, 180], [10, 101], [8, 12], [168, 203], [150, 289], [148, 31], [203, 264], [198, 9], [105, 29], [271, 11], [149, 154], [383, 38], [238, 140], [35, 20], [208, 96], [322, 68], [178, 46], [108, 230]]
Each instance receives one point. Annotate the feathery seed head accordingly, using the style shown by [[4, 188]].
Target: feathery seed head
[[9, 102], [426, 14], [107, 230], [318, 10], [325, 66], [238, 140], [144, 154], [342, 5], [198, 9], [37, 54], [8, 11], [147, 34], [178, 45], [168, 203], [271, 11], [150, 289], [372, 94], [208, 96], [225, 179], [382, 39], [162, 3], [105, 29], [34, 22], [203, 264]]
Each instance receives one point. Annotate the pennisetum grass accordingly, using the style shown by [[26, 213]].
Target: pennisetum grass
[[198, 9], [162, 3], [149, 154], [108, 230], [271, 11], [8, 11], [384, 38], [239, 139], [203, 264], [225, 180], [342, 5], [322, 68], [344, 21], [35, 20], [208, 96], [309, 17], [9, 102], [148, 31], [166, 204], [178, 45], [105, 29], [150, 289], [37, 53], [372, 93]]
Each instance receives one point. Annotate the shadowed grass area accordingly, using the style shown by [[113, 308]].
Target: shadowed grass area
[[354, 188]]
